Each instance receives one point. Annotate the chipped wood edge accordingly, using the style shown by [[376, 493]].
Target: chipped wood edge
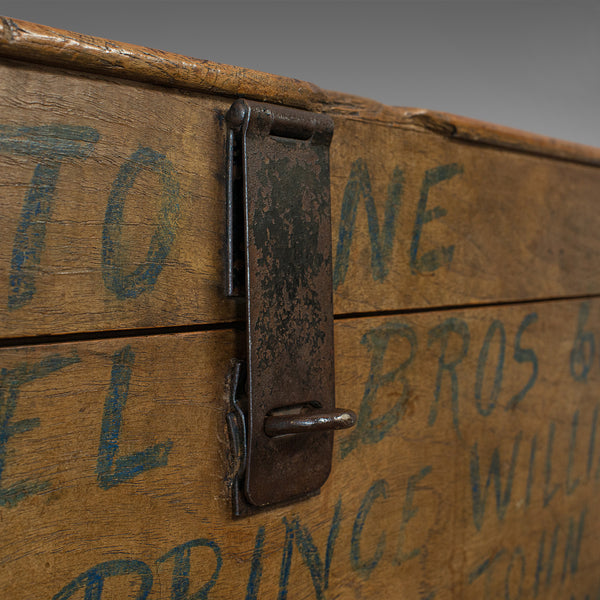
[[480, 132], [55, 47], [40, 44]]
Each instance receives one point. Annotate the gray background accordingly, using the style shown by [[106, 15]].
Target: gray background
[[530, 64]]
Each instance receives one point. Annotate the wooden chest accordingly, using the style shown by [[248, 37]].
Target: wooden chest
[[466, 333]]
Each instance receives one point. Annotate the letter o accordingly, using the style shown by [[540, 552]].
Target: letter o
[[131, 284]]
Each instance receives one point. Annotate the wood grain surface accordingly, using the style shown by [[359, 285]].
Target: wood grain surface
[[111, 206], [423, 221], [473, 471], [474, 468], [113, 203]]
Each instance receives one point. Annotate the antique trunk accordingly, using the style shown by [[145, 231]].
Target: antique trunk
[[171, 352]]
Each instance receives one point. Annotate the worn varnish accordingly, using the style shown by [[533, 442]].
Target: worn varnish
[[467, 340], [476, 448]]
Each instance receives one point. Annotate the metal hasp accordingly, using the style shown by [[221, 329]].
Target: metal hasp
[[278, 249]]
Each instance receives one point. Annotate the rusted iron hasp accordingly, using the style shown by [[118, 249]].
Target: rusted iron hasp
[[279, 258]]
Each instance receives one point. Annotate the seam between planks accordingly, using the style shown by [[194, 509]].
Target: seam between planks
[[65, 338]]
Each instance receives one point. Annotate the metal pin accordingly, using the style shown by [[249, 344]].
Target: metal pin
[[318, 420]]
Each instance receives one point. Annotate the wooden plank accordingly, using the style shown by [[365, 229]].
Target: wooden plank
[[477, 450], [112, 212], [421, 220], [112, 205]]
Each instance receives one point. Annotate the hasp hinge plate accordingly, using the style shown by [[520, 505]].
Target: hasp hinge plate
[[278, 254]]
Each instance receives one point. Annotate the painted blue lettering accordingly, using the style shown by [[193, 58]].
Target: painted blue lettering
[[370, 430], [131, 284], [256, 568], [11, 381], [545, 563], [483, 355], [438, 257], [49, 145], [573, 545], [524, 355], [364, 566], [92, 581], [180, 580], [518, 554], [572, 484], [494, 474], [584, 346], [112, 469], [319, 571], [592, 442], [548, 491], [286, 560], [442, 332], [359, 186], [530, 471], [486, 567], [409, 510]]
